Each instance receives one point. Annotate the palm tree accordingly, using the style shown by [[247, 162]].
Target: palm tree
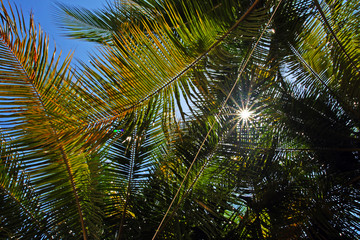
[[98, 153]]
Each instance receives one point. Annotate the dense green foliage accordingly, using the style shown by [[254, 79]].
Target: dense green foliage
[[100, 150]]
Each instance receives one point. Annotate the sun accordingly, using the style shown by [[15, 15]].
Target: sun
[[245, 114]]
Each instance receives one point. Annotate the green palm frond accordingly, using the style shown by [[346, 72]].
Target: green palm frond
[[154, 59], [326, 62], [20, 210], [128, 164], [100, 25], [35, 111], [345, 31], [96, 26]]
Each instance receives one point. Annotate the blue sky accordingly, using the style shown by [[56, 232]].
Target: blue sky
[[44, 14]]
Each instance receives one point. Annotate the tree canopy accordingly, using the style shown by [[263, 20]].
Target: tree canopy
[[231, 119]]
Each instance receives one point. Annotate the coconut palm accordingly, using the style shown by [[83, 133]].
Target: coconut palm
[[99, 153]]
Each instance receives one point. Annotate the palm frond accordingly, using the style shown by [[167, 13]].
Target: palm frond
[[20, 209], [128, 164], [324, 62], [161, 53], [96, 26], [32, 85]]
